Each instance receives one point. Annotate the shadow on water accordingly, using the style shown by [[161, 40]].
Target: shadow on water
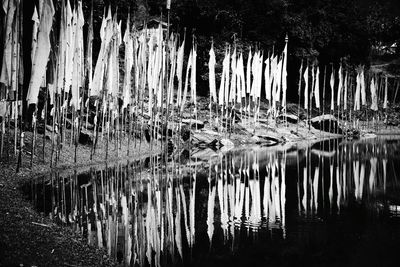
[[331, 203]]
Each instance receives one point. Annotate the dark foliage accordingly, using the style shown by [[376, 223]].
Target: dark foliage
[[322, 30]]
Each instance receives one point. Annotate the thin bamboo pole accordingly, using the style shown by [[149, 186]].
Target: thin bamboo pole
[[299, 93]]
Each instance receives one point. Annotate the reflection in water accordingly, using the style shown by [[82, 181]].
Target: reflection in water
[[158, 211]]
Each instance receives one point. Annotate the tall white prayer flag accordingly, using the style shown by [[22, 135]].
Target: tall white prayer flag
[[42, 53], [232, 93], [36, 22], [357, 93], [259, 75], [126, 95], [340, 86], [374, 99], [227, 78], [385, 100], [362, 83], [284, 76], [345, 91], [248, 73], [316, 90], [9, 8], [179, 72], [211, 74], [221, 94], [332, 84], [193, 86], [89, 50], [305, 77], [267, 80], [78, 59], [241, 79]]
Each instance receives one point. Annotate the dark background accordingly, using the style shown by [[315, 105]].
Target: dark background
[[323, 31]]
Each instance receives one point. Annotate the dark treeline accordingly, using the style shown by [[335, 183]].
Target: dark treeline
[[326, 31]]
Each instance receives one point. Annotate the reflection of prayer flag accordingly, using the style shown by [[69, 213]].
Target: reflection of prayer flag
[[362, 176], [305, 177], [315, 186], [210, 212], [372, 173]]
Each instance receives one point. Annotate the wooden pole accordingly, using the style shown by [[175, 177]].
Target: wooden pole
[[397, 89], [310, 98], [385, 99], [34, 122], [3, 132], [299, 93], [323, 98], [45, 123], [21, 135], [331, 106]]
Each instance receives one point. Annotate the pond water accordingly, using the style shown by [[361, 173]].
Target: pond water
[[330, 203]]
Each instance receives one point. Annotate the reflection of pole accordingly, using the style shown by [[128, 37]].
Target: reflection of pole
[[298, 181], [323, 177]]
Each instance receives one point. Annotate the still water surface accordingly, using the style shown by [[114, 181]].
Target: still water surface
[[334, 203]]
